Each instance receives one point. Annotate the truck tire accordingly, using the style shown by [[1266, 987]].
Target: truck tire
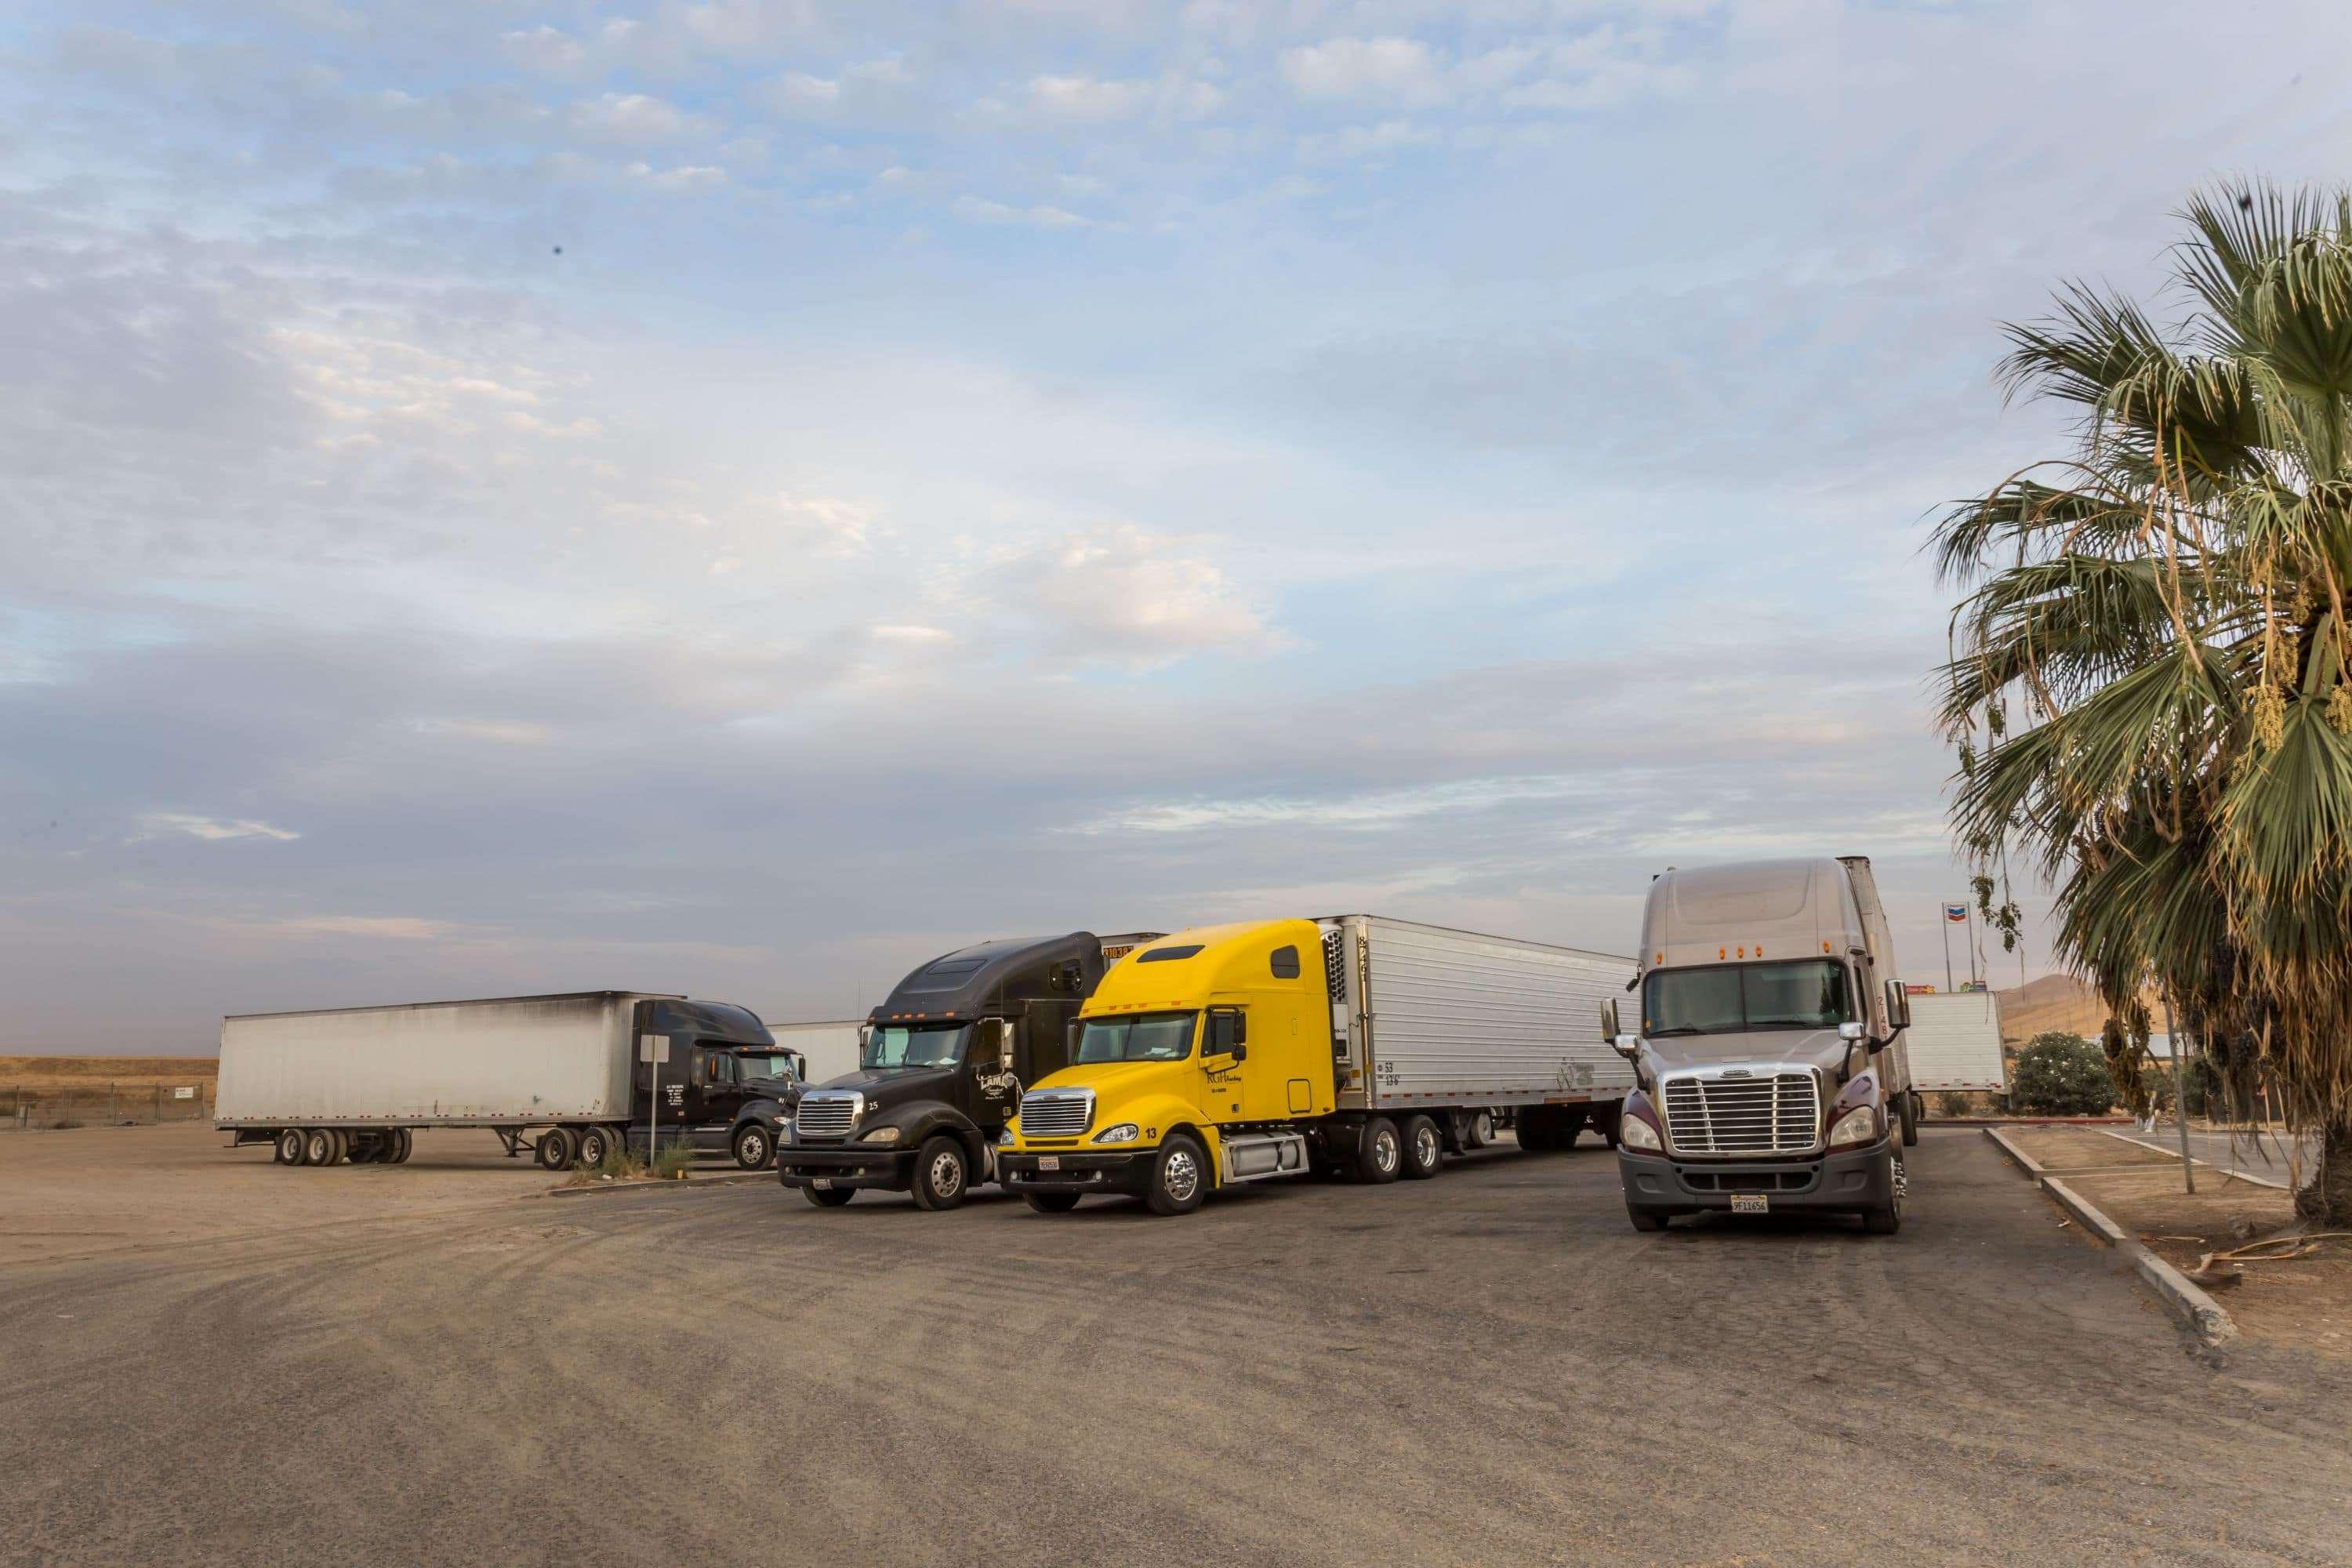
[[1052, 1202], [407, 1145], [1644, 1220], [286, 1147], [1533, 1127], [941, 1173], [1567, 1125], [1606, 1123], [1910, 1113], [752, 1147], [828, 1197], [318, 1146], [555, 1148], [1180, 1177], [596, 1144], [1480, 1130], [1421, 1149], [1885, 1220], [1379, 1152]]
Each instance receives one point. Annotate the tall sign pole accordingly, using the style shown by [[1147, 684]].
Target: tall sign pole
[[1943, 924], [654, 1049]]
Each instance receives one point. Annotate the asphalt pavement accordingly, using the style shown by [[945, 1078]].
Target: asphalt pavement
[[1491, 1367]]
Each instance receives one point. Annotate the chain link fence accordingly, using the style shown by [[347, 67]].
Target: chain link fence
[[24, 1107]]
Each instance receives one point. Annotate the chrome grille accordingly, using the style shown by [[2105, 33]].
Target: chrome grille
[[827, 1115], [1739, 1112], [1057, 1113]]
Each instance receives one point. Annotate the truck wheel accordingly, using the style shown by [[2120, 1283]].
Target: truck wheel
[[752, 1150], [318, 1146], [554, 1149], [596, 1145], [1567, 1125], [828, 1197], [1882, 1221], [1480, 1132], [1379, 1152], [342, 1145], [1644, 1220], [1052, 1202], [1180, 1178], [407, 1145], [287, 1148], [1910, 1113], [1421, 1149], [1606, 1123], [1534, 1129], [940, 1173]]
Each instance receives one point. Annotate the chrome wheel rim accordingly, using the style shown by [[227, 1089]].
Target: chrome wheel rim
[[318, 1148], [947, 1174], [1424, 1147], [1385, 1150], [755, 1149], [1183, 1174]]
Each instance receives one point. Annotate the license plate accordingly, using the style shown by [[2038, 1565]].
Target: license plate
[[1750, 1202], [822, 1183], [1049, 1162]]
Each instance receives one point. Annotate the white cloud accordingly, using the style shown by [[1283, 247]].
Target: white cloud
[[1367, 811], [1126, 597], [634, 118], [869, 86], [1086, 97], [375, 928], [979, 209], [1405, 70], [544, 48], [155, 823], [502, 732], [911, 635]]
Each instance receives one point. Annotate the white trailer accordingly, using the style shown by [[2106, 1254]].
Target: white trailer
[[1955, 1038], [829, 1048], [355, 1082], [1433, 1017]]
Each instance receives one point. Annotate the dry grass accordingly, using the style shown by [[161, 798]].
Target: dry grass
[[82, 1072]]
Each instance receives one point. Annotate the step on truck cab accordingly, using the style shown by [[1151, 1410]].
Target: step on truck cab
[[941, 1066], [1353, 1044], [1770, 1051]]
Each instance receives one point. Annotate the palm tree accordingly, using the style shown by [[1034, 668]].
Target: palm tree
[[2147, 684]]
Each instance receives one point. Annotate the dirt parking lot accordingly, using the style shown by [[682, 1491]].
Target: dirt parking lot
[[212, 1359]]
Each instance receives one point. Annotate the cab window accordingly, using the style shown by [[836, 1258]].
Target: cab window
[[1144, 1038]]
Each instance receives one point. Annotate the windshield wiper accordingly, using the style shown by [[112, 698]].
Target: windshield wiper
[[1677, 1030]]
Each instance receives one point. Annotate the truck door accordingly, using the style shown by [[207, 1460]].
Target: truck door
[[1224, 1063], [717, 1094]]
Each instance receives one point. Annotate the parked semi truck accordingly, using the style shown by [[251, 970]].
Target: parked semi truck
[[558, 1077], [1351, 1044], [1772, 1071], [940, 1068]]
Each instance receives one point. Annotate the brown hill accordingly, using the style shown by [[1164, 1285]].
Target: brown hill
[[2058, 1002]]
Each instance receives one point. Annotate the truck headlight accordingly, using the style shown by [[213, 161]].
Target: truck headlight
[[1634, 1132], [1859, 1125], [1124, 1133], [1004, 1139], [881, 1135]]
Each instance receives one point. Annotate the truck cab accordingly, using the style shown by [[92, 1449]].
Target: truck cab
[[1769, 1052], [1202, 1059], [940, 1071], [727, 1089]]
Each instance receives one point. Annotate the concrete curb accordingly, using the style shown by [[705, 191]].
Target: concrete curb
[[2203, 1316], [720, 1179]]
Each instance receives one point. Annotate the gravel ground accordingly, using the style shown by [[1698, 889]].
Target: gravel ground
[[1490, 1367]]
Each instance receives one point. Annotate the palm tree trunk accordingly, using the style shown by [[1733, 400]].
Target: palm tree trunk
[[2327, 1198]]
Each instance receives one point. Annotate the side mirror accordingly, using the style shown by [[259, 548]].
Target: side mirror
[[1627, 1045], [1609, 1019], [1070, 1040], [1852, 1029], [1898, 1006]]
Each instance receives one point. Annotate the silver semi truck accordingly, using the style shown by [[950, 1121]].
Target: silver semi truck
[[1769, 1047], [564, 1078]]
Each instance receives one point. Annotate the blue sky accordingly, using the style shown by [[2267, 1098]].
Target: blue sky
[[738, 497]]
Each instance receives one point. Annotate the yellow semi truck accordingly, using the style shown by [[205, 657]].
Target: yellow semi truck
[[1349, 1044]]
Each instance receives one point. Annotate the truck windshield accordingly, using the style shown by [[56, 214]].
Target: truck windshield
[[920, 1046], [756, 1064], [1730, 998], [1144, 1038]]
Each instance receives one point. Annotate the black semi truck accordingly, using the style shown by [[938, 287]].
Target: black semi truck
[[940, 1068]]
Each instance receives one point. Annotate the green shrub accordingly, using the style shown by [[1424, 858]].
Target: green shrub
[[2201, 1087], [1952, 1102], [673, 1160], [2060, 1074]]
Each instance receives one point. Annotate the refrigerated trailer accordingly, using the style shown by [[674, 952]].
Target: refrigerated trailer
[[1352, 1043], [1955, 1042], [563, 1077]]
